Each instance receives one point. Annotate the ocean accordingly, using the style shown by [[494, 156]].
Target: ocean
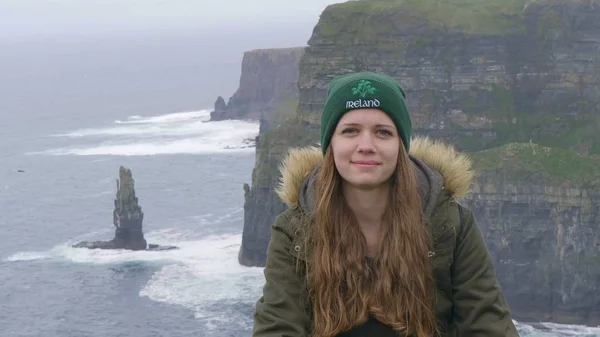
[[73, 111]]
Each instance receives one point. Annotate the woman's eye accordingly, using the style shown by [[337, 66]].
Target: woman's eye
[[385, 132], [349, 130]]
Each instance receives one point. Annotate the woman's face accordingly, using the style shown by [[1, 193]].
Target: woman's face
[[365, 148]]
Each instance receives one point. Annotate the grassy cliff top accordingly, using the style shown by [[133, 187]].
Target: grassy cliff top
[[275, 54], [532, 163], [299, 49], [470, 16], [559, 2]]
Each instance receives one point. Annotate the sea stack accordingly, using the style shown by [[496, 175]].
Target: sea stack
[[127, 218]]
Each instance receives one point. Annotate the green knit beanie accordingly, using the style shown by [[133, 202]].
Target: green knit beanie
[[365, 90]]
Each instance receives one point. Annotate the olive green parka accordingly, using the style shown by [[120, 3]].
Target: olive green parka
[[470, 302]]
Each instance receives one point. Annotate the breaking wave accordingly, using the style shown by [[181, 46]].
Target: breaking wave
[[175, 133]]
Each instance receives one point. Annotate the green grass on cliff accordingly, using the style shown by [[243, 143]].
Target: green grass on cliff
[[532, 163], [367, 19], [286, 109]]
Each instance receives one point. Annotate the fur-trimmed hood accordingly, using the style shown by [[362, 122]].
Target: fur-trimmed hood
[[439, 166]]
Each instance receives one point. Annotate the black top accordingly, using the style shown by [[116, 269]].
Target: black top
[[371, 328]]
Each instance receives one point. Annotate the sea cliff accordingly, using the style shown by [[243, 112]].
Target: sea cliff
[[515, 75], [268, 80]]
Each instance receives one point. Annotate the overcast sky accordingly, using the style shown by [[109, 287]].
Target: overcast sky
[[45, 16]]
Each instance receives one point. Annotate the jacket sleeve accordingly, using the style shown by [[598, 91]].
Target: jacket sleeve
[[480, 308], [280, 311]]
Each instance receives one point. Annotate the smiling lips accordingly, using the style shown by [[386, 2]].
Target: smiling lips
[[365, 163]]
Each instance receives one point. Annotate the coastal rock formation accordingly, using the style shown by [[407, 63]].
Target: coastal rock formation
[[519, 73], [268, 79], [127, 219], [540, 221]]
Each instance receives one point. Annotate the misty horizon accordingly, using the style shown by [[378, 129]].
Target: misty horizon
[[30, 19], [163, 55]]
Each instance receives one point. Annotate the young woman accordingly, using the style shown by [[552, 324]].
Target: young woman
[[373, 242]]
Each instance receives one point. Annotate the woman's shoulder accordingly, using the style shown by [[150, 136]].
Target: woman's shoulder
[[290, 221], [445, 205], [446, 216], [288, 231]]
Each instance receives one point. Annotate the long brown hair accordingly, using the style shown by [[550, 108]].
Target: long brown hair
[[398, 289]]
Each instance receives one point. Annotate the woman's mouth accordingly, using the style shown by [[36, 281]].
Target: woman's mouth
[[365, 163]]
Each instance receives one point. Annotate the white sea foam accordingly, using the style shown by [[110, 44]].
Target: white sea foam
[[209, 278], [545, 329], [203, 274], [175, 133], [200, 275], [172, 117]]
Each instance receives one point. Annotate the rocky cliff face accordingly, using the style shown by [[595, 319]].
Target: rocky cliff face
[[505, 74], [268, 78], [541, 226], [545, 242], [517, 72]]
